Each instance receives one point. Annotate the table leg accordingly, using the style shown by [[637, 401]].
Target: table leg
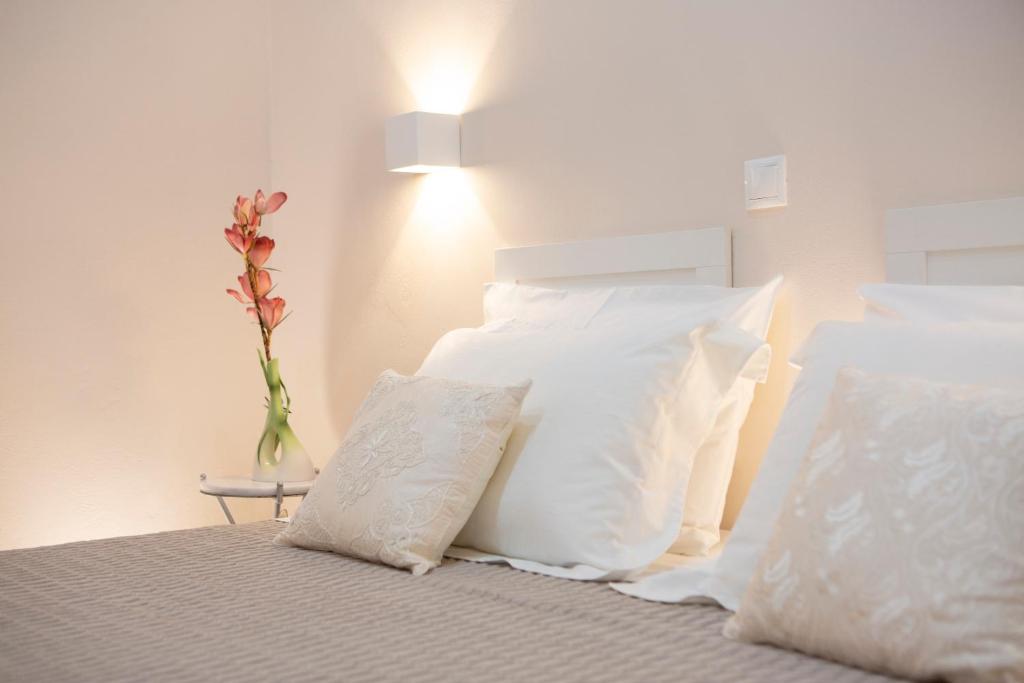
[[277, 500], [224, 507]]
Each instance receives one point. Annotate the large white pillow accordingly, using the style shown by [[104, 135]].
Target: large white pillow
[[943, 303], [899, 547], [748, 308], [596, 468], [961, 353]]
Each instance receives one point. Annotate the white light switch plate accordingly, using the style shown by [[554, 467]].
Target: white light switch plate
[[764, 182]]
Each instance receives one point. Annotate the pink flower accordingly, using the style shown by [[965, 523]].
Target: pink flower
[[260, 251], [244, 237], [263, 285], [238, 239], [272, 311], [265, 206], [245, 212]]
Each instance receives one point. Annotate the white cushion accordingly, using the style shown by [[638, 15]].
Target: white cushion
[[961, 353], [899, 547], [410, 471], [596, 468], [943, 303], [749, 309]]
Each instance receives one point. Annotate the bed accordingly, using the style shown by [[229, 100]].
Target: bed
[[194, 604], [190, 605]]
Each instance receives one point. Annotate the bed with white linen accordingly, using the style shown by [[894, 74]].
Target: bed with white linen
[[225, 603]]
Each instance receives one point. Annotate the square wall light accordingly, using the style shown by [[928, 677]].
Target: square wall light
[[421, 142]]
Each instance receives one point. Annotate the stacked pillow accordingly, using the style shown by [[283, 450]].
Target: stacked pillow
[[631, 390], [884, 527], [964, 354], [987, 354], [628, 383]]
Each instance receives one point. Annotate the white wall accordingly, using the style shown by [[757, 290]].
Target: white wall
[[127, 125], [126, 129], [585, 118]]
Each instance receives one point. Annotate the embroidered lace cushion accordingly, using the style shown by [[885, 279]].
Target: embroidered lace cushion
[[967, 353], [899, 547], [749, 308], [596, 469], [409, 472]]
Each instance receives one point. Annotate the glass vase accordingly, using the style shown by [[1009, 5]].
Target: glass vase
[[280, 456]]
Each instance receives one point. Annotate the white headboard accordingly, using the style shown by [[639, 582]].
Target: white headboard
[[685, 257], [974, 243]]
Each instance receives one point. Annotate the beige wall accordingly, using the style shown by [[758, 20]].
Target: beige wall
[[126, 126], [585, 118]]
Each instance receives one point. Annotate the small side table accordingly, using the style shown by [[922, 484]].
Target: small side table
[[241, 487]]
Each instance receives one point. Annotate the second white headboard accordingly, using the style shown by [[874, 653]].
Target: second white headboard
[[973, 243]]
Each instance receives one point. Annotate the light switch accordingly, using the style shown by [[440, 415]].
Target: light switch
[[765, 182]]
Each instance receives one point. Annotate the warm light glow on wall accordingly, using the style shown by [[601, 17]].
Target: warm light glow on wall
[[446, 205], [440, 50], [442, 84]]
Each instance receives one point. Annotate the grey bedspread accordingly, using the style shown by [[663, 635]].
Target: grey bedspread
[[223, 603]]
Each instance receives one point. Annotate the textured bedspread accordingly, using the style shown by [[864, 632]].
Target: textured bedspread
[[198, 605]]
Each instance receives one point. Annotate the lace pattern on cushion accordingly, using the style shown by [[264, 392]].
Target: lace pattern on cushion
[[392, 531], [311, 530], [899, 547], [379, 449], [382, 388], [474, 414]]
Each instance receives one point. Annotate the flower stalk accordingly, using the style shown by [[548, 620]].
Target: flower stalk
[[279, 453]]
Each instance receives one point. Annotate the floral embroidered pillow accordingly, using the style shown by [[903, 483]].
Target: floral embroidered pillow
[[410, 471], [900, 547]]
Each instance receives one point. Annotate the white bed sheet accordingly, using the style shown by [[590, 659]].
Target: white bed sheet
[[666, 563]]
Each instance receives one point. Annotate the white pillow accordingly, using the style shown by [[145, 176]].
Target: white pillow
[[409, 472], [899, 546], [961, 353], [596, 468], [748, 308], [943, 303]]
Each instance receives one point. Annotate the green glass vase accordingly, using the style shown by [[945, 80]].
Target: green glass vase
[[280, 456]]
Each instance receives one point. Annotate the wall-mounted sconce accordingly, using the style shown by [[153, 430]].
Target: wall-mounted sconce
[[421, 142]]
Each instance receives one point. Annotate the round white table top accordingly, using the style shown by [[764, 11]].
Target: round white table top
[[243, 487]]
